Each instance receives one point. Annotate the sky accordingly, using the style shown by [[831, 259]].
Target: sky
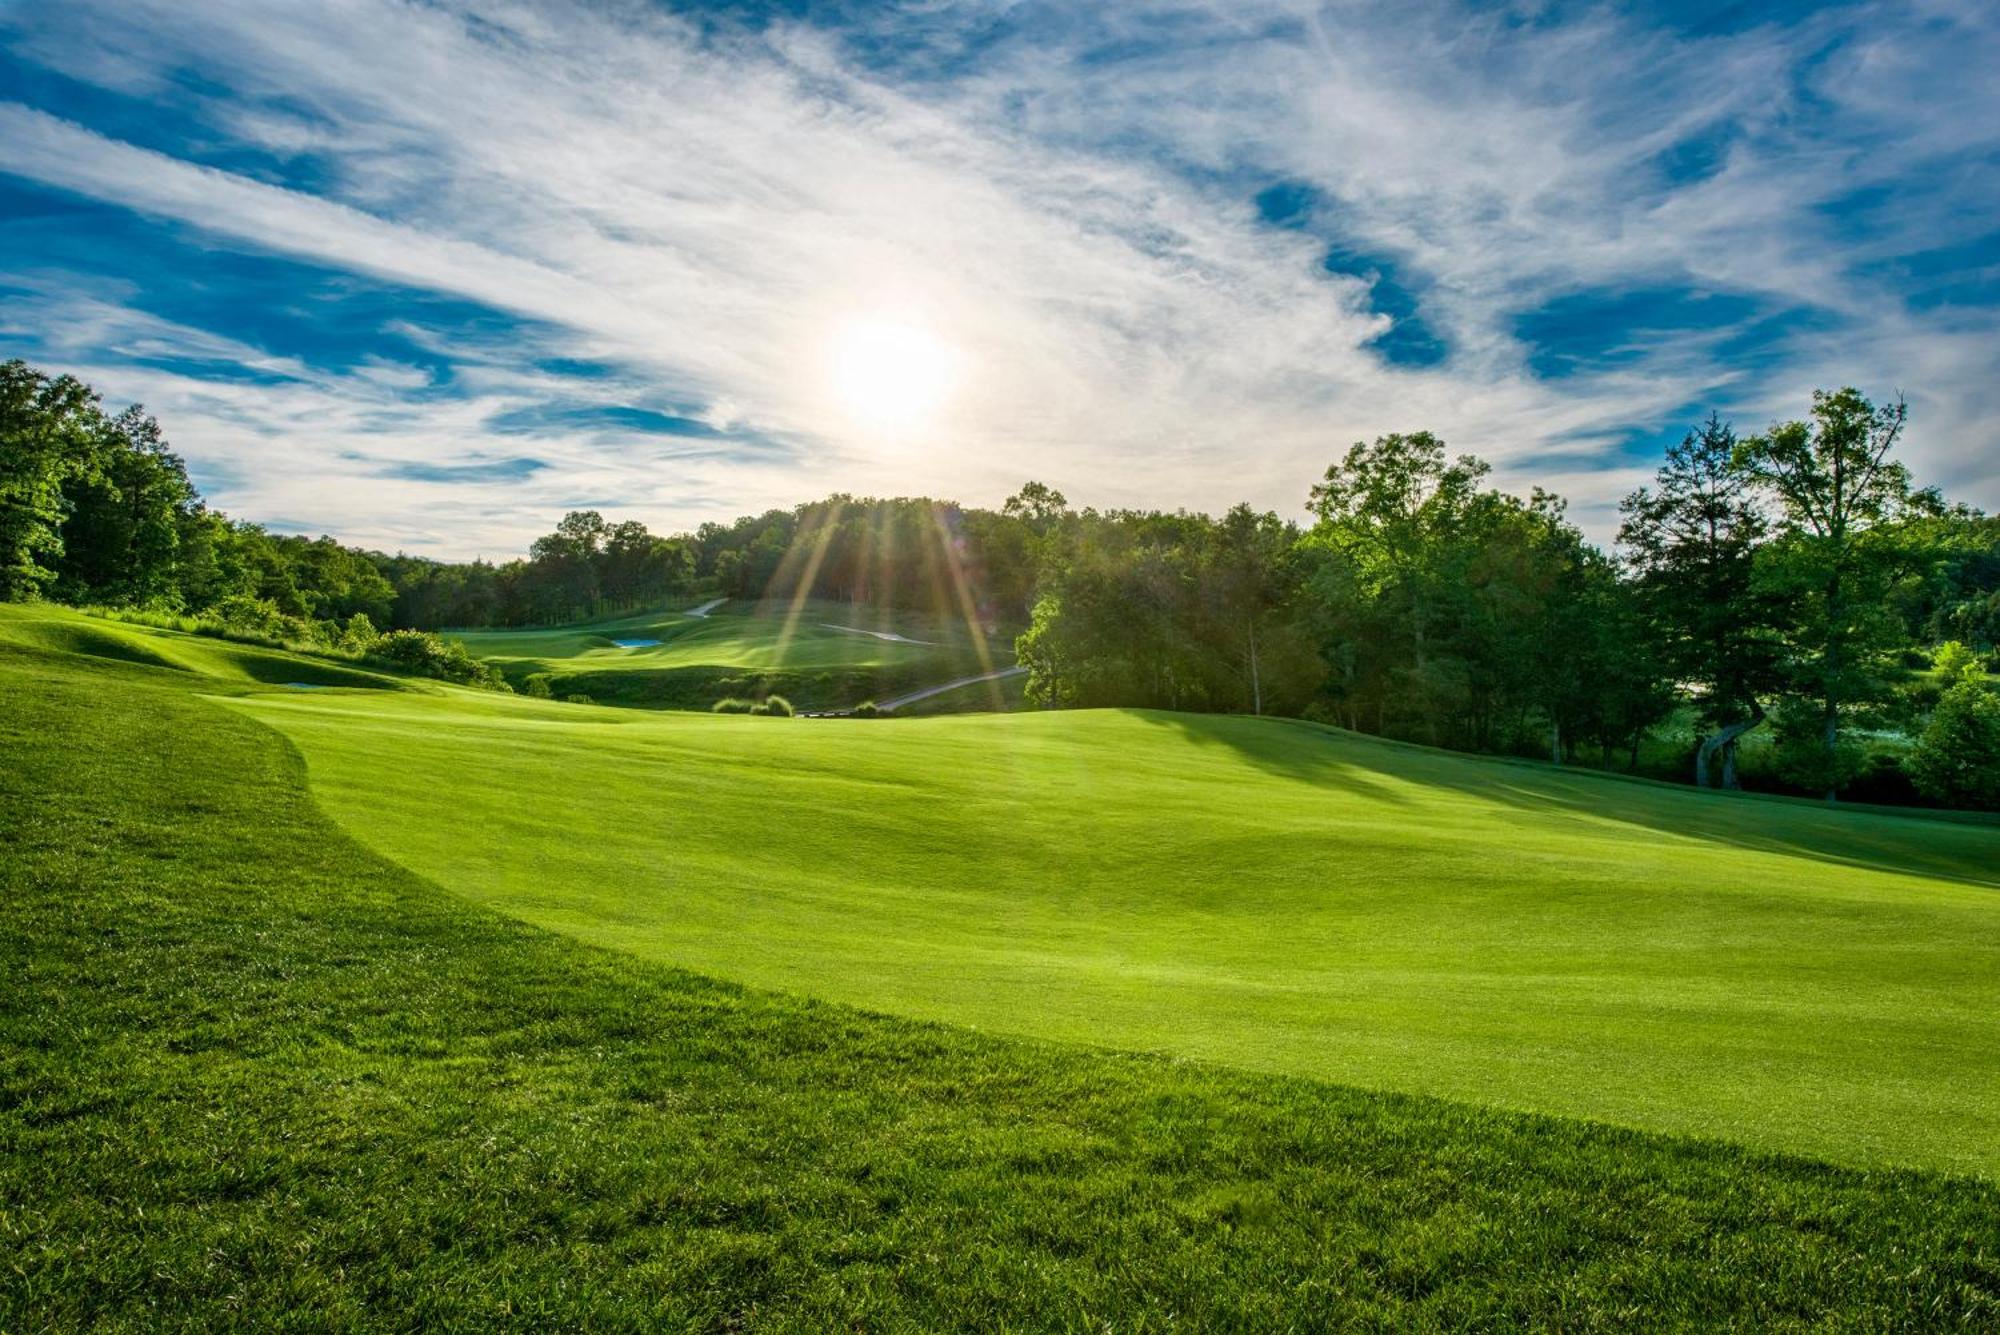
[[424, 276]]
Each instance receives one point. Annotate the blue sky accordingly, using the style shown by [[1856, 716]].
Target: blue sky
[[425, 275]]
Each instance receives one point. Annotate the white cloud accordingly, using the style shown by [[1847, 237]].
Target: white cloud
[[708, 210]]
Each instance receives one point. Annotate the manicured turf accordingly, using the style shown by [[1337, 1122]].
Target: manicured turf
[[63, 631], [1272, 895], [252, 1076], [744, 649]]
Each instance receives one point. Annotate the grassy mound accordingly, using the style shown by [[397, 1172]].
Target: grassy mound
[[222, 661], [254, 1075], [1273, 895]]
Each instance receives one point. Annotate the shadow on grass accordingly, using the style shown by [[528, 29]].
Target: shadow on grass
[[1914, 843]]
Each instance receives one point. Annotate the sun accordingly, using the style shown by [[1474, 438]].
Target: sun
[[892, 376]]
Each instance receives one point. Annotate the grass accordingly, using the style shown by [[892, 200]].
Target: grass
[[1266, 894], [750, 649], [254, 1075], [194, 652]]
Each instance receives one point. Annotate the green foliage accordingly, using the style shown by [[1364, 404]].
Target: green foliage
[[256, 1075], [777, 706], [1954, 663], [536, 686], [1804, 760], [578, 698], [1833, 561], [424, 654], [48, 432], [259, 618], [730, 704], [1691, 543], [1957, 757], [1175, 611], [359, 635], [866, 709]]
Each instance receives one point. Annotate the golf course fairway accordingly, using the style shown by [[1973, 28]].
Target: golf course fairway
[[819, 654], [1270, 895]]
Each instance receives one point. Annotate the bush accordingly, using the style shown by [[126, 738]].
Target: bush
[[425, 655], [536, 686], [578, 698], [1953, 663], [1957, 760], [777, 706], [359, 636], [242, 614], [730, 704], [867, 709]]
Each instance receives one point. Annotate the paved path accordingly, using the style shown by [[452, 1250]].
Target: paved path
[[930, 691], [706, 607], [888, 635]]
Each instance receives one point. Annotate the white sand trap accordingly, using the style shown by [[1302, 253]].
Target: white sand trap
[[888, 635], [635, 644]]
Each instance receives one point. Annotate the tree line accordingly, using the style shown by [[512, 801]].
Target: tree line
[[1792, 588]]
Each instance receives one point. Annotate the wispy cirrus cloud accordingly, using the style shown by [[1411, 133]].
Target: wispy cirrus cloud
[[1185, 252]]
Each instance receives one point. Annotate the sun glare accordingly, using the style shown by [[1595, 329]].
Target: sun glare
[[892, 376]]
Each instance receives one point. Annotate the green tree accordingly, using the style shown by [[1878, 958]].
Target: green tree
[[125, 513], [1397, 519], [1834, 558], [1957, 756], [1691, 541], [48, 435]]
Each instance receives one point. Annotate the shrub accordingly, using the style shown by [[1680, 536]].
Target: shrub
[[536, 686], [778, 706], [867, 709], [359, 635], [1953, 663], [730, 704], [578, 698], [424, 654], [242, 614], [1957, 760]]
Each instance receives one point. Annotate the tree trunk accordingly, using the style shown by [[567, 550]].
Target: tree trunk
[[1256, 685], [1555, 742], [1724, 739], [1830, 721]]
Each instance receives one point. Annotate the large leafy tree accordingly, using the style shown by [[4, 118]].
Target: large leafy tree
[[49, 431], [1690, 541], [1834, 557], [1395, 517]]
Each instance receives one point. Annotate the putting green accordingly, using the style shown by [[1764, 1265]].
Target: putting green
[[1271, 895]]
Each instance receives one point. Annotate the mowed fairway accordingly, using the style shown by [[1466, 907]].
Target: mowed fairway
[[823, 654], [1270, 895]]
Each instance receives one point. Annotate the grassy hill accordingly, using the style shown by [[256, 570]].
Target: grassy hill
[[819, 655], [1268, 894], [255, 1074]]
